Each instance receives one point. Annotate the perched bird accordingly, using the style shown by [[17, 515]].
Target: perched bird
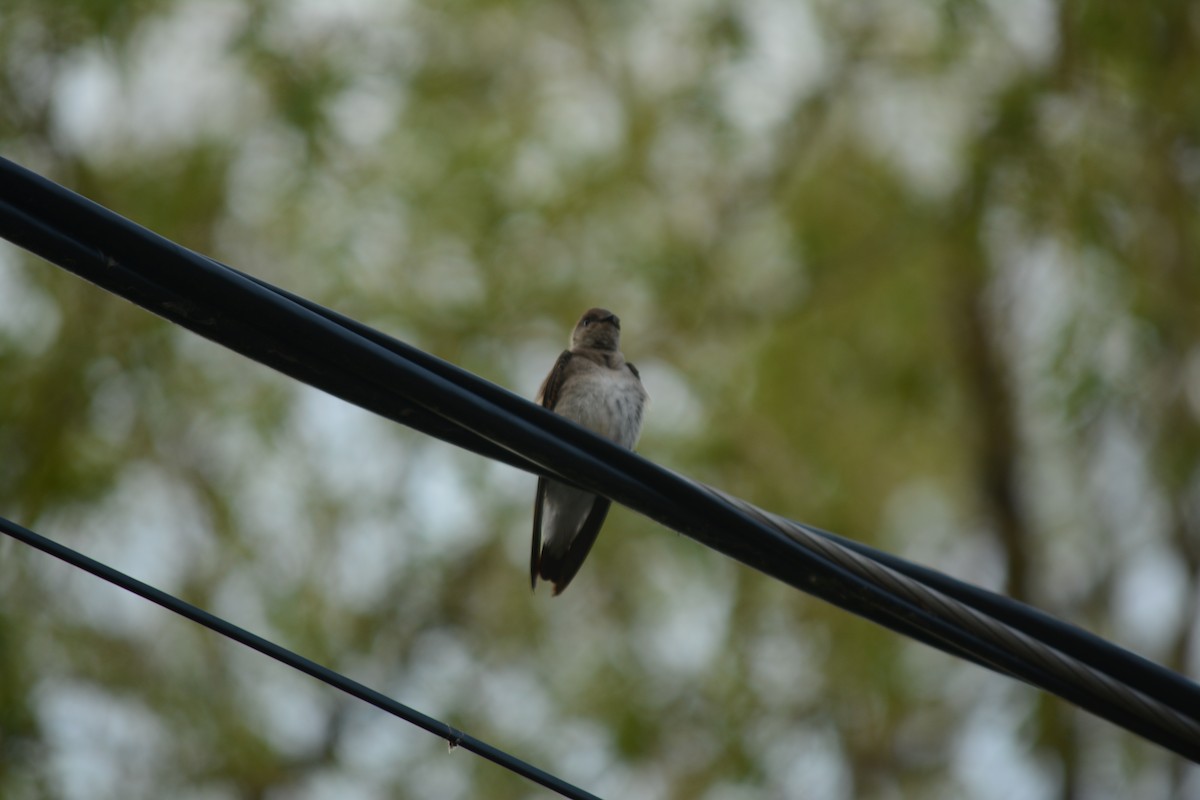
[[594, 385]]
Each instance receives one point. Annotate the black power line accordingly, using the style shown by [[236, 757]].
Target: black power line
[[1142, 674], [388, 377], [453, 736]]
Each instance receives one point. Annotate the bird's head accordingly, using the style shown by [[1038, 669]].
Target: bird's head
[[598, 328]]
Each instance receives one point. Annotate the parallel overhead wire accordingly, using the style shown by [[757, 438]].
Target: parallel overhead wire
[[453, 736], [381, 374]]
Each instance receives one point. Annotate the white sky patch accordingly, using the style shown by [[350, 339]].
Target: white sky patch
[[351, 449], [1150, 598], [99, 746], [581, 116], [989, 759], [516, 703], [628, 780], [534, 177], [919, 125], [444, 512], [184, 81], [783, 665], [265, 171], [292, 708], [1029, 26], [533, 361], [27, 314], [369, 555], [1190, 785], [113, 406], [802, 761], [731, 790], [177, 85], [301, 22], [1034, 291], [675, 409], [659, 51], [441, 777], [918, 510], [683, 632], [374, 745], [150, 527], [584, 750], [30, 63], [353, 456], [446, 274], [787, 59], [367, 111], [1121, 482], [88, 104], [762, 270], [333, 785], [442, 672], [683, 170], [272, 515]]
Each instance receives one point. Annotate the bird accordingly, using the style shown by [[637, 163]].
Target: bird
[[592, 384]]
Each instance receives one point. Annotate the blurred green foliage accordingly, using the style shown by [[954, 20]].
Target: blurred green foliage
[[921, 273]]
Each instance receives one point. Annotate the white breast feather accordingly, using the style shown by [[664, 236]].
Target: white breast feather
[[609, 402]]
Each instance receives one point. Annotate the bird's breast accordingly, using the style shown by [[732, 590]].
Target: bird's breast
[[609, 402]]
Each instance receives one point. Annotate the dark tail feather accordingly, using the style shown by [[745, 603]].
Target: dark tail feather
[[561, 570]]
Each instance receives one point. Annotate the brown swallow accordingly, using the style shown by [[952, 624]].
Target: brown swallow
[[594, 385]]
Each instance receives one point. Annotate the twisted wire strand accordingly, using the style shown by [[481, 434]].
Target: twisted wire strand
[[1091, 680]]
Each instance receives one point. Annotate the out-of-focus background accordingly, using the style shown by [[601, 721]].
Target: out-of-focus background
[[922, 273]]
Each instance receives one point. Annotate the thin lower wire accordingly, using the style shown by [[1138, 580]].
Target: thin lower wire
[[453, 736]]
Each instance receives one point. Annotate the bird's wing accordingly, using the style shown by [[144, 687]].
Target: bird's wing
[[547, 396], [551, 388]]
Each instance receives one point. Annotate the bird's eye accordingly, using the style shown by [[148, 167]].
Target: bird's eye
[[586, 322]]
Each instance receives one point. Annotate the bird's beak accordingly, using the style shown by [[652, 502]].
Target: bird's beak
[[614, 319]]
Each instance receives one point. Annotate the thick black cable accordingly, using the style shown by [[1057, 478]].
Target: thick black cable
[[1128, 667], [1142, 674], [228, 308], [37, 218], [256, 320], [838, 595], [1160, 684], [453, 736]]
